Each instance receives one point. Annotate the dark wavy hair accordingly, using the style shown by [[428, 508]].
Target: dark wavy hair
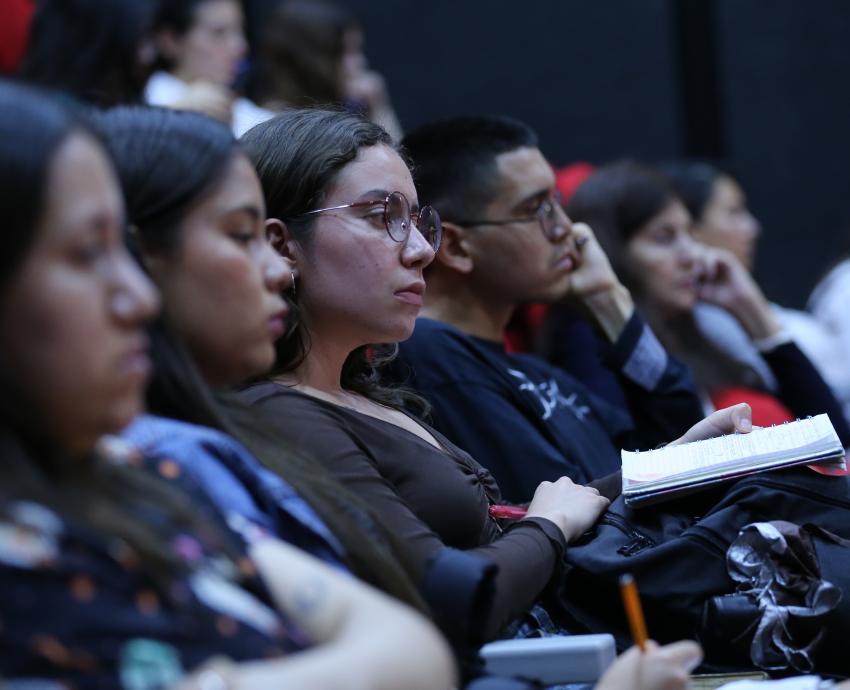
[[167, 161], [89, 49], [111, 499], [300, 53], [298, 155]]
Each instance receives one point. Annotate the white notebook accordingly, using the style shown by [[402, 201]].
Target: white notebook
[[657, 475]]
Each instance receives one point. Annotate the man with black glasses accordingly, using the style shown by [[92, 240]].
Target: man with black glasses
[[507, 242]]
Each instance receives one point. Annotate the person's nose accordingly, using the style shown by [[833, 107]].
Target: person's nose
[[752, 226], [562, 226], [277, 271], [416, 250], [689, 249], [134, 298]]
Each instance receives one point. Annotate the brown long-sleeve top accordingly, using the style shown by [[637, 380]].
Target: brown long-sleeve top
[[428, 497]]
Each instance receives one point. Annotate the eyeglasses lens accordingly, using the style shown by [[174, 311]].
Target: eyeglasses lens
[[398, 216], [428, 223], [550, 216]]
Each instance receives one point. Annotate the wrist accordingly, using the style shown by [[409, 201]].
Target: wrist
[[611, 309], [758, 319]]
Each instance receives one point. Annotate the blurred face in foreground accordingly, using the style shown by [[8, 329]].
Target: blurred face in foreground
[[222, 285], [73, 315]]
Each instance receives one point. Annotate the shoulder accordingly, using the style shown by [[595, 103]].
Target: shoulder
[[833, 289], [295, 414], [429, 330], [437, 347], [160, 435], [247, 114], [163, 88]]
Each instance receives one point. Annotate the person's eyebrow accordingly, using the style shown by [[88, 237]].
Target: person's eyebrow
[[540, 195], [246, 209], [376, 194]]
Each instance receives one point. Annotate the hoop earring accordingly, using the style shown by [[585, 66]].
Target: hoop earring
[[292, 276]]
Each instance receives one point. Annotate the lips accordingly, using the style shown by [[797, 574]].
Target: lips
[[566, 262], [135, 362], [277, 323], [412, 294]]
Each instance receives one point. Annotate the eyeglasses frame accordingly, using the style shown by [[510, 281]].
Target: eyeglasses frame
[[554, 201], [386, 202]]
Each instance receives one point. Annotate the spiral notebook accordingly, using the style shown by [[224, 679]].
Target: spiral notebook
[[658, 475]]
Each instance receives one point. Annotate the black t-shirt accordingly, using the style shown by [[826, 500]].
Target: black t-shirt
[[528, 421]]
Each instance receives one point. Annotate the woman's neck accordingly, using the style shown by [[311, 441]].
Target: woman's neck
[[321, 369]]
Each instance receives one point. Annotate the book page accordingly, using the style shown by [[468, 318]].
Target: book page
[[790, 440]]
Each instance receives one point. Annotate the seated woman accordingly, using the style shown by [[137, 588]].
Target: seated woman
[[201, 44], [311, 53], [98, 53], [344, 211], [718, 207], [110, 577], [645, 229]]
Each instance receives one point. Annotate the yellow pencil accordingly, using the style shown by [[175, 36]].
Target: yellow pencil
[[634, 612]]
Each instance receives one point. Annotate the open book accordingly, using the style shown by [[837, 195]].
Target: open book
[[658, 475]]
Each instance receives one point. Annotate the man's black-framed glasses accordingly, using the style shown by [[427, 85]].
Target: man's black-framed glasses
[[550, 214], [398, 218]]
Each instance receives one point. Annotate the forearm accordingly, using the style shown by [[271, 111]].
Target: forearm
[[756, 316], [611, 309], [364, 639]]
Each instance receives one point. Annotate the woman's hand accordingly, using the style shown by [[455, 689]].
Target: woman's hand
[[572, 507], [725, 282], [207, 98], [655, 668], [738, 418]]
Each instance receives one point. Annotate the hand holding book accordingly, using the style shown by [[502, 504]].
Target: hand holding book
[[729, 420], [654, 476]]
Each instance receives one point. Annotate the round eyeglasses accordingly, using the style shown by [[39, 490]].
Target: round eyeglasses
[[398, 218], [550, 214]]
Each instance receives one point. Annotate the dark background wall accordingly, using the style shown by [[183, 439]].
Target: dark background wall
[[761, 86]]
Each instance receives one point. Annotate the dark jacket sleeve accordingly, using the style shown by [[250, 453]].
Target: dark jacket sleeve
[[802, 389], [526, 557], [660, 391]]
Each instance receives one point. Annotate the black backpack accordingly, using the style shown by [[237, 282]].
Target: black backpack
[[676, 552]]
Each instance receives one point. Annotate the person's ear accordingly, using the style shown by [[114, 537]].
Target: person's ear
[[281, 239], [455, 249]]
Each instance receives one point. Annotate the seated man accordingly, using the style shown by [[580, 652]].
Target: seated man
[[506, 242]]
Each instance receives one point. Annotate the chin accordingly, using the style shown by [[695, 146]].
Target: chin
[[122, 415]]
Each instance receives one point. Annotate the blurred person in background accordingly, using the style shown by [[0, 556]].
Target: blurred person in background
[[718, 206], [311, 53], [201, 46], [94, 51], [645, 228]]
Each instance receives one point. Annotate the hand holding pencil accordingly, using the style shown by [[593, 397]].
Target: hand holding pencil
[[646, 666]]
